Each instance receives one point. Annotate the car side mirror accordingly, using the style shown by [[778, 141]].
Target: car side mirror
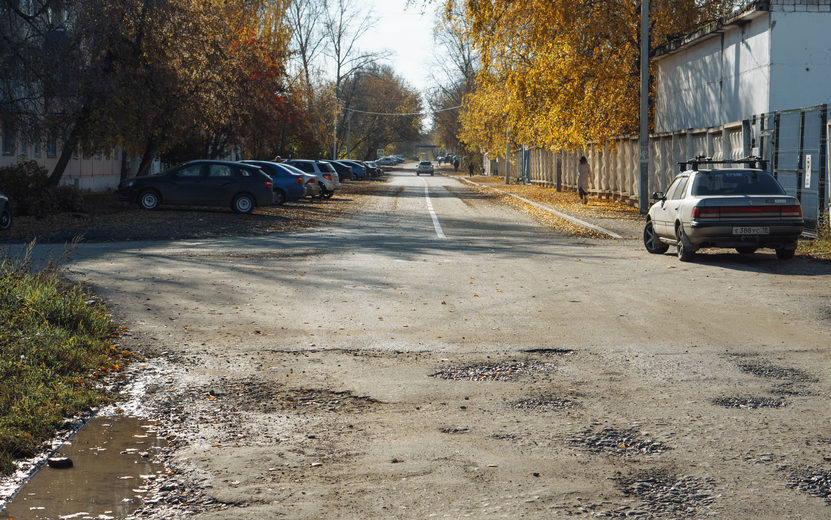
[[658, 195]]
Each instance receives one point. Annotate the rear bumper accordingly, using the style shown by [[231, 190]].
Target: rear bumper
[[720, 234]]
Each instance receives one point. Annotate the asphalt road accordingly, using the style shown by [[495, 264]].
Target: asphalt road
[[439, 355]]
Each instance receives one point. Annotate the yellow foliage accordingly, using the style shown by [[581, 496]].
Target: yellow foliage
[[561, 73]]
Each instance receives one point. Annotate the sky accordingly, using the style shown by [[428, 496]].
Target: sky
[[408, 34]]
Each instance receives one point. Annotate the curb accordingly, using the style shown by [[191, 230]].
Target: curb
[[574, 220]]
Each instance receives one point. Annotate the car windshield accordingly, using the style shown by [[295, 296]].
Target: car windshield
[[735, 182]]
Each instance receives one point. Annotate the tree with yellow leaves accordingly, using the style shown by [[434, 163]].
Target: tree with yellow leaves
[[560, 73]]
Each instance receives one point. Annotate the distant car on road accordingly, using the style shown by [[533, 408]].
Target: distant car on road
[[202, 183], [424, 167], [386, 161], [5, 212], [741, 208], [288, 185]]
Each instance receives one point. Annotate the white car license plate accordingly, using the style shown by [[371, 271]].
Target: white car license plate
[[751, 230]]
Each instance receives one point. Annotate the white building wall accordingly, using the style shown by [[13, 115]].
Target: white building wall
[[800, 59], [719, 80]]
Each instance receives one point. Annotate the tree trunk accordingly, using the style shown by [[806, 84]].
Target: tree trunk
[[150, 149], [66, 153]]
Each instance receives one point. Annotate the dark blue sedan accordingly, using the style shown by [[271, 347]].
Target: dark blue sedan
[[288, 185]]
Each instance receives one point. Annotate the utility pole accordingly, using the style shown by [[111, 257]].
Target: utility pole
[[508, 156], [349, 134], [643, 195], [335, 138]]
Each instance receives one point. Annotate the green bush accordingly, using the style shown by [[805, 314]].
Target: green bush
[[27, 185]]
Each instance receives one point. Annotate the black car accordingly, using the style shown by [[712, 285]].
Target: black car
[[5, 212], [203, 183]]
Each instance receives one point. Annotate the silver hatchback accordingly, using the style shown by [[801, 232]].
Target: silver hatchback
[[741, 208]]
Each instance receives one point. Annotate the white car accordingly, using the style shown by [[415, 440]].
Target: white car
[[741, 208], [326, 174], [424, 167]]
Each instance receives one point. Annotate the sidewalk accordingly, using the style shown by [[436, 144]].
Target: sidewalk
[[604, 218]]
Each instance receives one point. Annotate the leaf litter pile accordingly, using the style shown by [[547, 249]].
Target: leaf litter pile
[[565, 201]]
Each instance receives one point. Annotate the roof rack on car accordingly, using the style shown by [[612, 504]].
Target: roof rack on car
[[751, 162]]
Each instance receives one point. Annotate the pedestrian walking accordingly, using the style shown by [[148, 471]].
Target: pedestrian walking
[[455, 165], [470, 168], [583, 174]]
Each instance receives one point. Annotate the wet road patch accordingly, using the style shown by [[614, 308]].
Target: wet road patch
[[614, 441], [113, 469], [749, 402], [505, 371]]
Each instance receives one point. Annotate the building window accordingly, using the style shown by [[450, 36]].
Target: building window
[[51, 147], [36, 149], [9, 140]]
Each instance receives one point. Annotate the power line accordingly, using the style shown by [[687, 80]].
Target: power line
[[400, 113]]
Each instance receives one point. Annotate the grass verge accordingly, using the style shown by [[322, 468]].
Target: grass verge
[[821, 246], [56, 347]]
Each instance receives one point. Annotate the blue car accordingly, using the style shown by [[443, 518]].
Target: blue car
[[288, 185], [358, 170]]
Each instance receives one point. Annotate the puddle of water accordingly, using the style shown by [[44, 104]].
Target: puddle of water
[[108, 476]]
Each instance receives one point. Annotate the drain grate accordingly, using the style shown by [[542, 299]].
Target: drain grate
[[814, 481], [545, 403], [664, 494], [749, 402], [613, 441], [507, 371]]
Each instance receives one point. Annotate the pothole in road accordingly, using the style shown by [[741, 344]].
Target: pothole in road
[[507, 371], [749, 402], [549, 351], [545, 403], [454, 431], [813, 481], [766, 370], [323, 400], [664, 494], [269, 397], [614, 441]]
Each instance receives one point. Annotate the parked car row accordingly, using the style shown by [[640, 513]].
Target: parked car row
[[390, 160], [245, 184]]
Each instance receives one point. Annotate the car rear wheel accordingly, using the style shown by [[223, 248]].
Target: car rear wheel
[[651, 242], [785, 254], [279, 197], [5, 219], [149, 200], [328, 194], [686, 252], [323, 192], [243, 203], [746, 250]]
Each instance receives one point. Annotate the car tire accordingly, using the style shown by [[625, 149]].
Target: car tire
[[746, 250], [149, 200], [323, 192], [5, 219], [329, 194], [686, 252], [651, 242], [243, 203], [279, 197], [785, 254]]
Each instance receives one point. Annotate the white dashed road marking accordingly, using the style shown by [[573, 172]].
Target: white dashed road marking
[[439, 231]]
